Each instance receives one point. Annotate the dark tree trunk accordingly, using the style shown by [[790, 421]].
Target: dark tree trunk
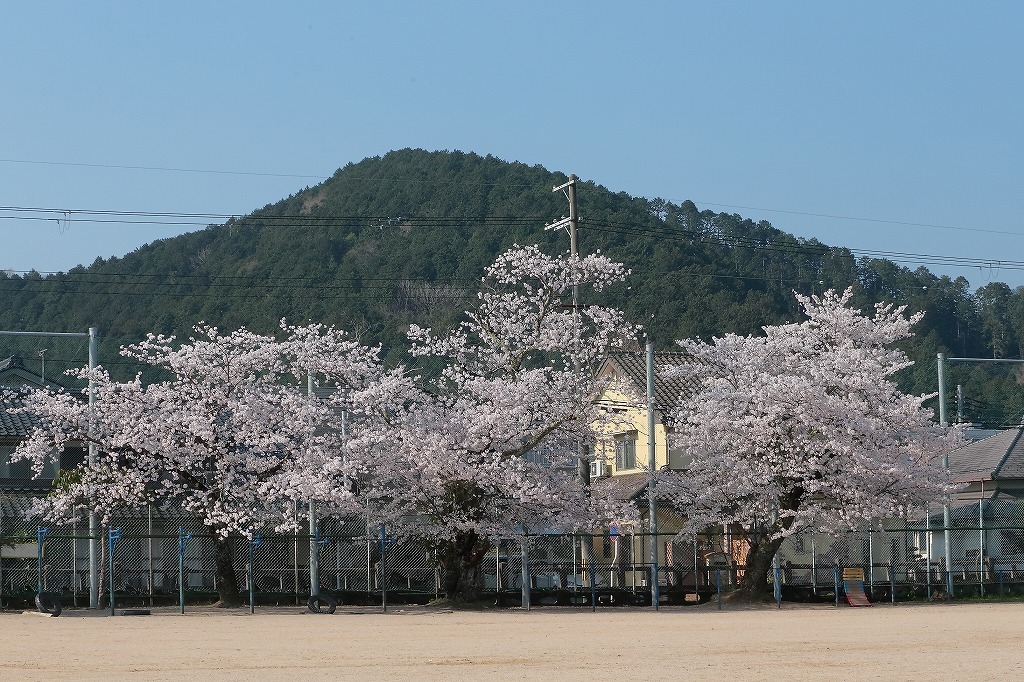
[[756, 584], [461, 560], [227, 580]]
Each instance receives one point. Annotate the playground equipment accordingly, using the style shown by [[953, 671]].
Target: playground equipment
[[853, 587]]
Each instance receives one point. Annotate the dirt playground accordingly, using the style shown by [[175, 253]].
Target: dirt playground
[[905, 641]]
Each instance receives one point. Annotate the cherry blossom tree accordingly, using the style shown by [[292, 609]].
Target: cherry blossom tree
[[228, 433], [804, 428], [490, 445]]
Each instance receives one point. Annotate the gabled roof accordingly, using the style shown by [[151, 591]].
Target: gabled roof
[[13, 425], [14, 372], [998, 457], [11, 362], [632, 368], [623, 487], [13, 376]]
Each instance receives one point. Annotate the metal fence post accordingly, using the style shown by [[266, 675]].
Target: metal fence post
[[525, 541], [149, 529], [814, 569], [314, 551], [871, 563], [113, 535], [40, 539], [835, 571], [928, 552], [593, 577], [981, 542], [778, 587], [383, 574], [182, 539], [254, 541]]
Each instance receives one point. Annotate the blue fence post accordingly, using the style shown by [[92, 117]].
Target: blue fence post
[[255, 540], [113, 535], [182, 539], [40, 539], [835, 573]]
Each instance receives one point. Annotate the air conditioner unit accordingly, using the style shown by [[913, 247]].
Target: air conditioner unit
[[600, 470]]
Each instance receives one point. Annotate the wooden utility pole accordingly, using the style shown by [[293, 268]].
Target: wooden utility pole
[[571, 224]]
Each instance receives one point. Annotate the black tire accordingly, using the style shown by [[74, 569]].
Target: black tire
[[319, 601], [48, 602]]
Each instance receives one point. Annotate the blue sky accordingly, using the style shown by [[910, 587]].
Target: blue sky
[[883, 126]]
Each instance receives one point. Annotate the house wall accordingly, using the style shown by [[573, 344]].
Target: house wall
[[631, 423]]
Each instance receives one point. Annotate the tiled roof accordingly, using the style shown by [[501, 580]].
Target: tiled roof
[[623, 487], [667, 390], [13, 425], [998, 457]]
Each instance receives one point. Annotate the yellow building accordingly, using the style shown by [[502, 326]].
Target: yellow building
[[620, 466], [624, 448]]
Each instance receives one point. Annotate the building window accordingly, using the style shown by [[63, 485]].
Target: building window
[[625, 453]]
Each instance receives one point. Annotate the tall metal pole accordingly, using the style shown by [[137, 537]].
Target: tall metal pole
[[945, 465], [314, 538], [652, 466], [94, 532], [94, 540]]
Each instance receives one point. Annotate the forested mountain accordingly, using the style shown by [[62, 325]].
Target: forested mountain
[[404, 238]]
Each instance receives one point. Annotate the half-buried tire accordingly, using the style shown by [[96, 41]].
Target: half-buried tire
[[319, 602], [48, 602]]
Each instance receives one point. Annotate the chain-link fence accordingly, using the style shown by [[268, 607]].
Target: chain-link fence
[[155, 555]]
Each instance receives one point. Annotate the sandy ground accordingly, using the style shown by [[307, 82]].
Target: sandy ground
[[921, 642]]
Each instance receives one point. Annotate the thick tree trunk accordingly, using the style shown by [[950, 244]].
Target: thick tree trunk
[[227, 581], [461, 560], [756, 584]]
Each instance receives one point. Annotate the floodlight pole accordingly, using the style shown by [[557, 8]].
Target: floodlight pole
[[94, 539], [314, 536], [944, 421], [651, 468]]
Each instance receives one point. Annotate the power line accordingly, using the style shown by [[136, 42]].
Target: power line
[[801, 248], [617, 227], [863, 219], [369, 178]]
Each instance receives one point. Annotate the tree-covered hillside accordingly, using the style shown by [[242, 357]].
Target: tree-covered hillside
[[404, 238]]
